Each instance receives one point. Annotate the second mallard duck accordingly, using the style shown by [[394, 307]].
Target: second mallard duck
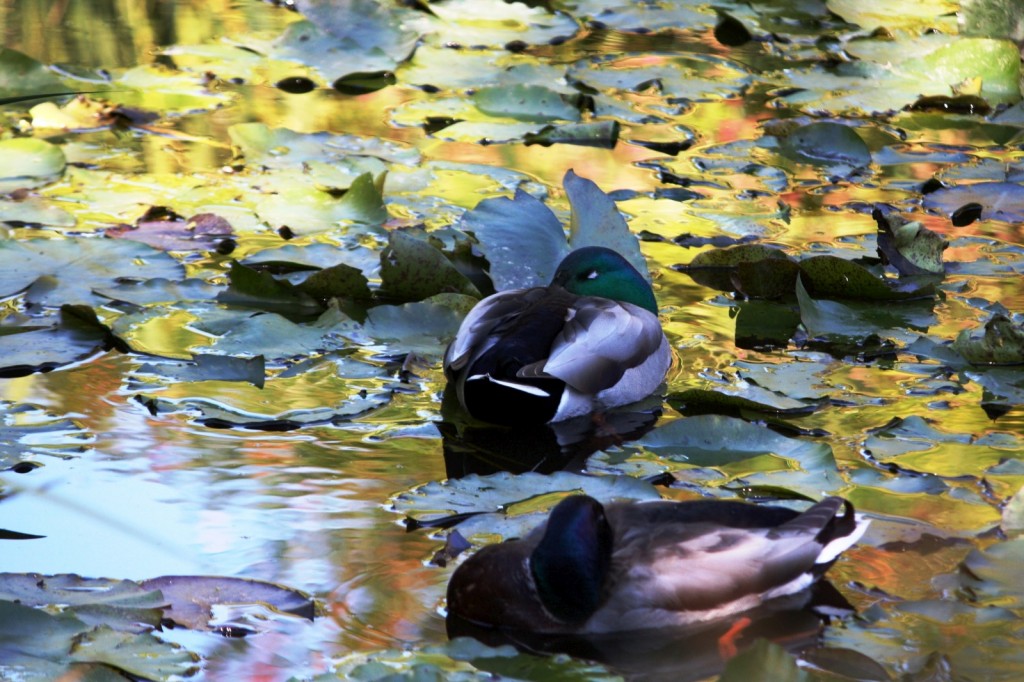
[[626, 566], [589, 341]]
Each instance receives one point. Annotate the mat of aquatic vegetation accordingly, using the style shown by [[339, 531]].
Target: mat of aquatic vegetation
[[231, 260]]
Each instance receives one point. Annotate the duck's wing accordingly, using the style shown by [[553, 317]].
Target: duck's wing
[[707, 569], [485, 325], [600, 341]]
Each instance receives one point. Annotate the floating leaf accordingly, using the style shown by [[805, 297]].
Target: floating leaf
[[832, 277], [34, 211], [29, 162], [71, 268], [510, 503], [718, 268], [201, 232], [412, 269], [1001, 344], [192, 597], [751, 400], [209, 368], [596, 221], [27, 431], [601, 134], [827, 143], [261, 290], [76, 336], [998, 200], [521, 239], [764, 660], [525, 103], [909, 246], [337, 281]]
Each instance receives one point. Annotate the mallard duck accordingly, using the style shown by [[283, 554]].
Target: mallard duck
[[589, 341], [636, 565]]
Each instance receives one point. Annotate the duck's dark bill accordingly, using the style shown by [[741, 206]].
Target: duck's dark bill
[[693, 652]]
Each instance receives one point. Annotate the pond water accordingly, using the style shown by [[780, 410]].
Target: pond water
[[125, 468]]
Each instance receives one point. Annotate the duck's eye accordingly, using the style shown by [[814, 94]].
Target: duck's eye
[[590, 274]]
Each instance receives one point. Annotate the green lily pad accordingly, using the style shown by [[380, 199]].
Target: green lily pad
[[596, 221], [412, 269], [337, 281], [1001, 344], [830, 144], [525, 103], [720, 269], [209, 368], [34, 211], [33, 348], [832, 319], [909, 246], [23, 76], [521, 239], [67, 270], [497, 23], [508, 505], [750, 400], [252, 289], [601, 134], [269, 147], [36, 645], [423, 327], [832, 277], [28, 163], [993, 576], [872, 14], [998, 200], [463, 660]]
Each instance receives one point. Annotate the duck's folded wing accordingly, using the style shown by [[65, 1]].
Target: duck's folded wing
[[704, 567], [484, 324], [602, 339]]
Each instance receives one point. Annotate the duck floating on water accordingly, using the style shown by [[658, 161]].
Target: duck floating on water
[[594, 568], [589, 341]]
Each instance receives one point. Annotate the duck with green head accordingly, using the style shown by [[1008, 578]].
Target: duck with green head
[[594, 568], [589, 341]]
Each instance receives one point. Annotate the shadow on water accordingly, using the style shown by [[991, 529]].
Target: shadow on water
[[474, 447], [693, 652]]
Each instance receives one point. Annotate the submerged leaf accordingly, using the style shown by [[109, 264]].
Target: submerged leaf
[[827, 143]]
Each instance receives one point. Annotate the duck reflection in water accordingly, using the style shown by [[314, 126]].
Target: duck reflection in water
[[475, 447]]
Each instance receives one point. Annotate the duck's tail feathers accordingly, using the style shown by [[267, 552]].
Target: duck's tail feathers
[[841, 534]]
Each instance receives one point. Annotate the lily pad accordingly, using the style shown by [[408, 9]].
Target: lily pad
[[210, 368], [28, 163], [830, 144], [63, 271], [998, 200], [596, 221], [521, 239], [1001, 344], [525, 103], [34, 348], [508, 505], [192, 598], [909, 246], [832, 277], [412, 269], [601, 134]]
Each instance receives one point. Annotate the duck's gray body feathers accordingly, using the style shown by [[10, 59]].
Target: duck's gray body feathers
[[576, 354]]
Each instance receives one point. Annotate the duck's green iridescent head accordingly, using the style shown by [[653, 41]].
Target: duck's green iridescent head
[[598, 271], [572, 560]]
